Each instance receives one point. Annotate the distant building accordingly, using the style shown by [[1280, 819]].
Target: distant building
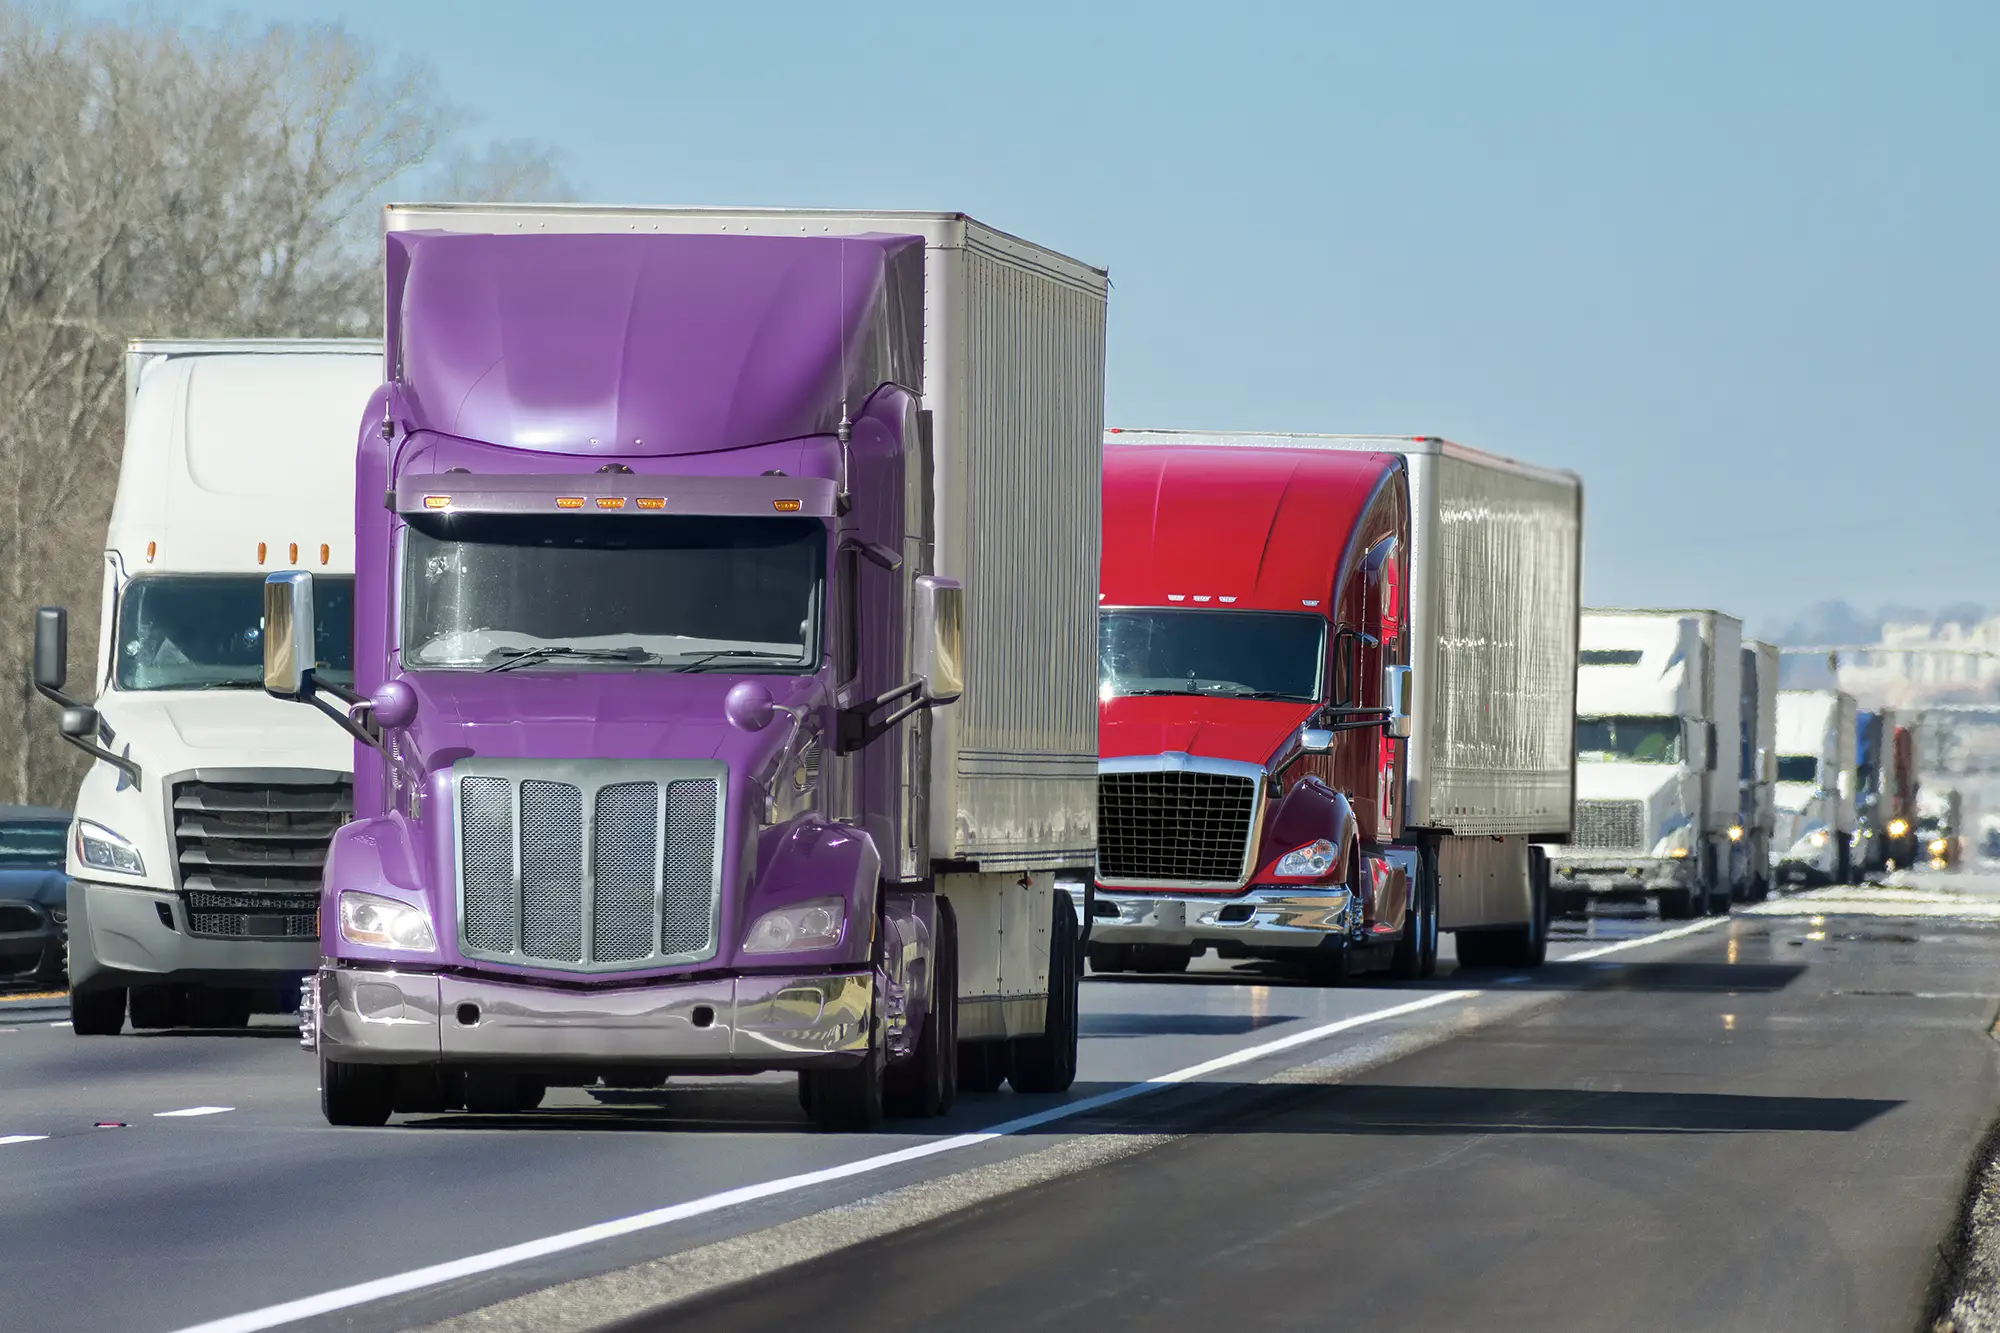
[[1923, 663]]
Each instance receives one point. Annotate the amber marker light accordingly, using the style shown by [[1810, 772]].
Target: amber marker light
[[325, 553], [295, 553], [610, 502], [152, 549], [785, 506], [651, 502], [569, 502], [260, 553], [437, 502]]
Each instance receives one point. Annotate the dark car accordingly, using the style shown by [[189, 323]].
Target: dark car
[[34, 894]]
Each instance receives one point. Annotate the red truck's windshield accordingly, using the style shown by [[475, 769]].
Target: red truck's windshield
[[1224, 653]]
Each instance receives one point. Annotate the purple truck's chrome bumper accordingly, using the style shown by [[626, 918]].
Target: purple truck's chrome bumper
[[737, 1024]]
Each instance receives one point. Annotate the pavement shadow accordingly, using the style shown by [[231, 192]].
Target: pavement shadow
[[1179, 1025], [1387, 1109], [1717, 978]]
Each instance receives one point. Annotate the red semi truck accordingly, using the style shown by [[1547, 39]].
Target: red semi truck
[[1337, 701]]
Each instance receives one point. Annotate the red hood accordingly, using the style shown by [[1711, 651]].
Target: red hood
[[1248, 730]]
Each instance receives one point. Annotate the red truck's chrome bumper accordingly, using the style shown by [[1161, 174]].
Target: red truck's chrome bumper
[[365, 1016], [1258, 918]]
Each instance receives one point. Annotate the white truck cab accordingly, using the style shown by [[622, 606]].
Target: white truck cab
[[195, 851], [1657, 698], [1816, 787]]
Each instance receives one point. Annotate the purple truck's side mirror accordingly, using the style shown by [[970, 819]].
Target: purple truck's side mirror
[[748, 706], [394, 705]]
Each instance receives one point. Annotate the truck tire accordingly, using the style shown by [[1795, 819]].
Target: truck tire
[[982, 1066], [501, 1092], [356, 1095], [1046, 1062], [97, 1013], [1330, 964], [1712, 877], [847, 1100], [927, 1083], [1515, 946], [1676, 904], [216, 1007], [1109, 958], [155, 1008], [1416, 951]]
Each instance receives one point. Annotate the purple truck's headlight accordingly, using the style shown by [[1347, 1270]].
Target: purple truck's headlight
[[384, 923], [808, 925]]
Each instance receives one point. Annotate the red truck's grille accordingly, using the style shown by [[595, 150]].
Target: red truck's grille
[[1174, 827]]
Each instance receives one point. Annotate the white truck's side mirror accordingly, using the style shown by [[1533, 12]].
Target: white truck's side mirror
[[938, 637], [289, 643], [1396, 687]]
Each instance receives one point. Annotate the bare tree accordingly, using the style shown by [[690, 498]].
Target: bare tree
[[163, 181]]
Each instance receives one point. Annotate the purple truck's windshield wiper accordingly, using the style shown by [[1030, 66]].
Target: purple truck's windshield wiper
[[514, 657]]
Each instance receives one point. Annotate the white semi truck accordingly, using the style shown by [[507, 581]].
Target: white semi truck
[[1657, 750], [1757, 809], [1815, 792], [195, 851]]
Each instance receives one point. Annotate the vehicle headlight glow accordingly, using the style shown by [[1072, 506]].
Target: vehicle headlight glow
[[1938, 846], [1898, 827], [101, 849], [1311, 861], [1736, 833], [384, 923], [1676, 842], [808, 925], [1818, 837]]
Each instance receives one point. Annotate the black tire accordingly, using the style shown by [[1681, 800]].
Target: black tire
[[1676, 904], [848, 1101], [501, 1092], [982, 1066], [1515, 946], [1330, 964], [1109, 958], [356, 1095], [1416, 952], [155, 1007], [927, 1083], [1046, 1062], [97, 1013], [1715, 886], [1170, 959]]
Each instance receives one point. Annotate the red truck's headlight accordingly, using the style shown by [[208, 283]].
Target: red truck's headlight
[[1315, 860]]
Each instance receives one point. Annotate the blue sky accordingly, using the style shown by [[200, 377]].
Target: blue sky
[[1738, 264]]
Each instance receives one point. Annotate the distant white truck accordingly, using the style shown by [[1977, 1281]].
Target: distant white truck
[[1657, 696], [1816, 781], [1757, 807], [195, 851]]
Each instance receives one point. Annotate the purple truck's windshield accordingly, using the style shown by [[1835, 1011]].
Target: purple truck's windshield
[[569, 592]]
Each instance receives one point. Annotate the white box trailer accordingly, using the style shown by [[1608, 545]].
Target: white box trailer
[[1012, 371], [1495, 590]]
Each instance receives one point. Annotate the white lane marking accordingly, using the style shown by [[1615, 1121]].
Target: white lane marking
[[416, 1279], [1694, 928], [21, 1138], [192, 1110]]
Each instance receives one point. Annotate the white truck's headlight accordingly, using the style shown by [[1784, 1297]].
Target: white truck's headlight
[[808, 925], [1311, 861], [384, 923], [1677, 843], [101, 849]]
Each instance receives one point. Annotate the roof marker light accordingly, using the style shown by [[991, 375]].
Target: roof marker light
[[437, 502], [569, 502], [651, 502], [1309, 601], [1177, 597], [1225, 599], [1202, 597], [785, 506], [610, 502], [294, 557]]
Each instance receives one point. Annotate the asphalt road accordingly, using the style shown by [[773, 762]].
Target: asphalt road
[[1744, 1123]]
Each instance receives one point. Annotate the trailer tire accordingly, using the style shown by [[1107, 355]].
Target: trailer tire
[[927, 1083], [97, 1013], [1515, 946], [356, 1095], [1046, 1062], [1109, 958]]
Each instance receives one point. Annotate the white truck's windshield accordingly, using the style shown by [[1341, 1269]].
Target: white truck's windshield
[[1230, 654], [1644, 740], [582, 592], [206, 631]]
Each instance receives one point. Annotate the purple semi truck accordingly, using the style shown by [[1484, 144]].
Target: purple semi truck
[[724, 619]]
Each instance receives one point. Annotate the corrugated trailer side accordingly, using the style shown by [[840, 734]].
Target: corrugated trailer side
[[1014, 390]]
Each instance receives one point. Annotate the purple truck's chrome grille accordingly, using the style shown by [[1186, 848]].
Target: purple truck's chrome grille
[[595, 876]]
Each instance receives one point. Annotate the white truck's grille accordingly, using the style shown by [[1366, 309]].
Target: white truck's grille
[[1612, 826]]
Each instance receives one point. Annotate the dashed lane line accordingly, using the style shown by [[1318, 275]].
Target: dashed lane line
[[191, 1111], [6, 1139], [417, 1279]]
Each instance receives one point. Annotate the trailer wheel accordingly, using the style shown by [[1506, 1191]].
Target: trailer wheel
[[1416, 951], [927, 1083], [97, 1013], [1046, 1062], [1515, 946], [360, 1095]]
